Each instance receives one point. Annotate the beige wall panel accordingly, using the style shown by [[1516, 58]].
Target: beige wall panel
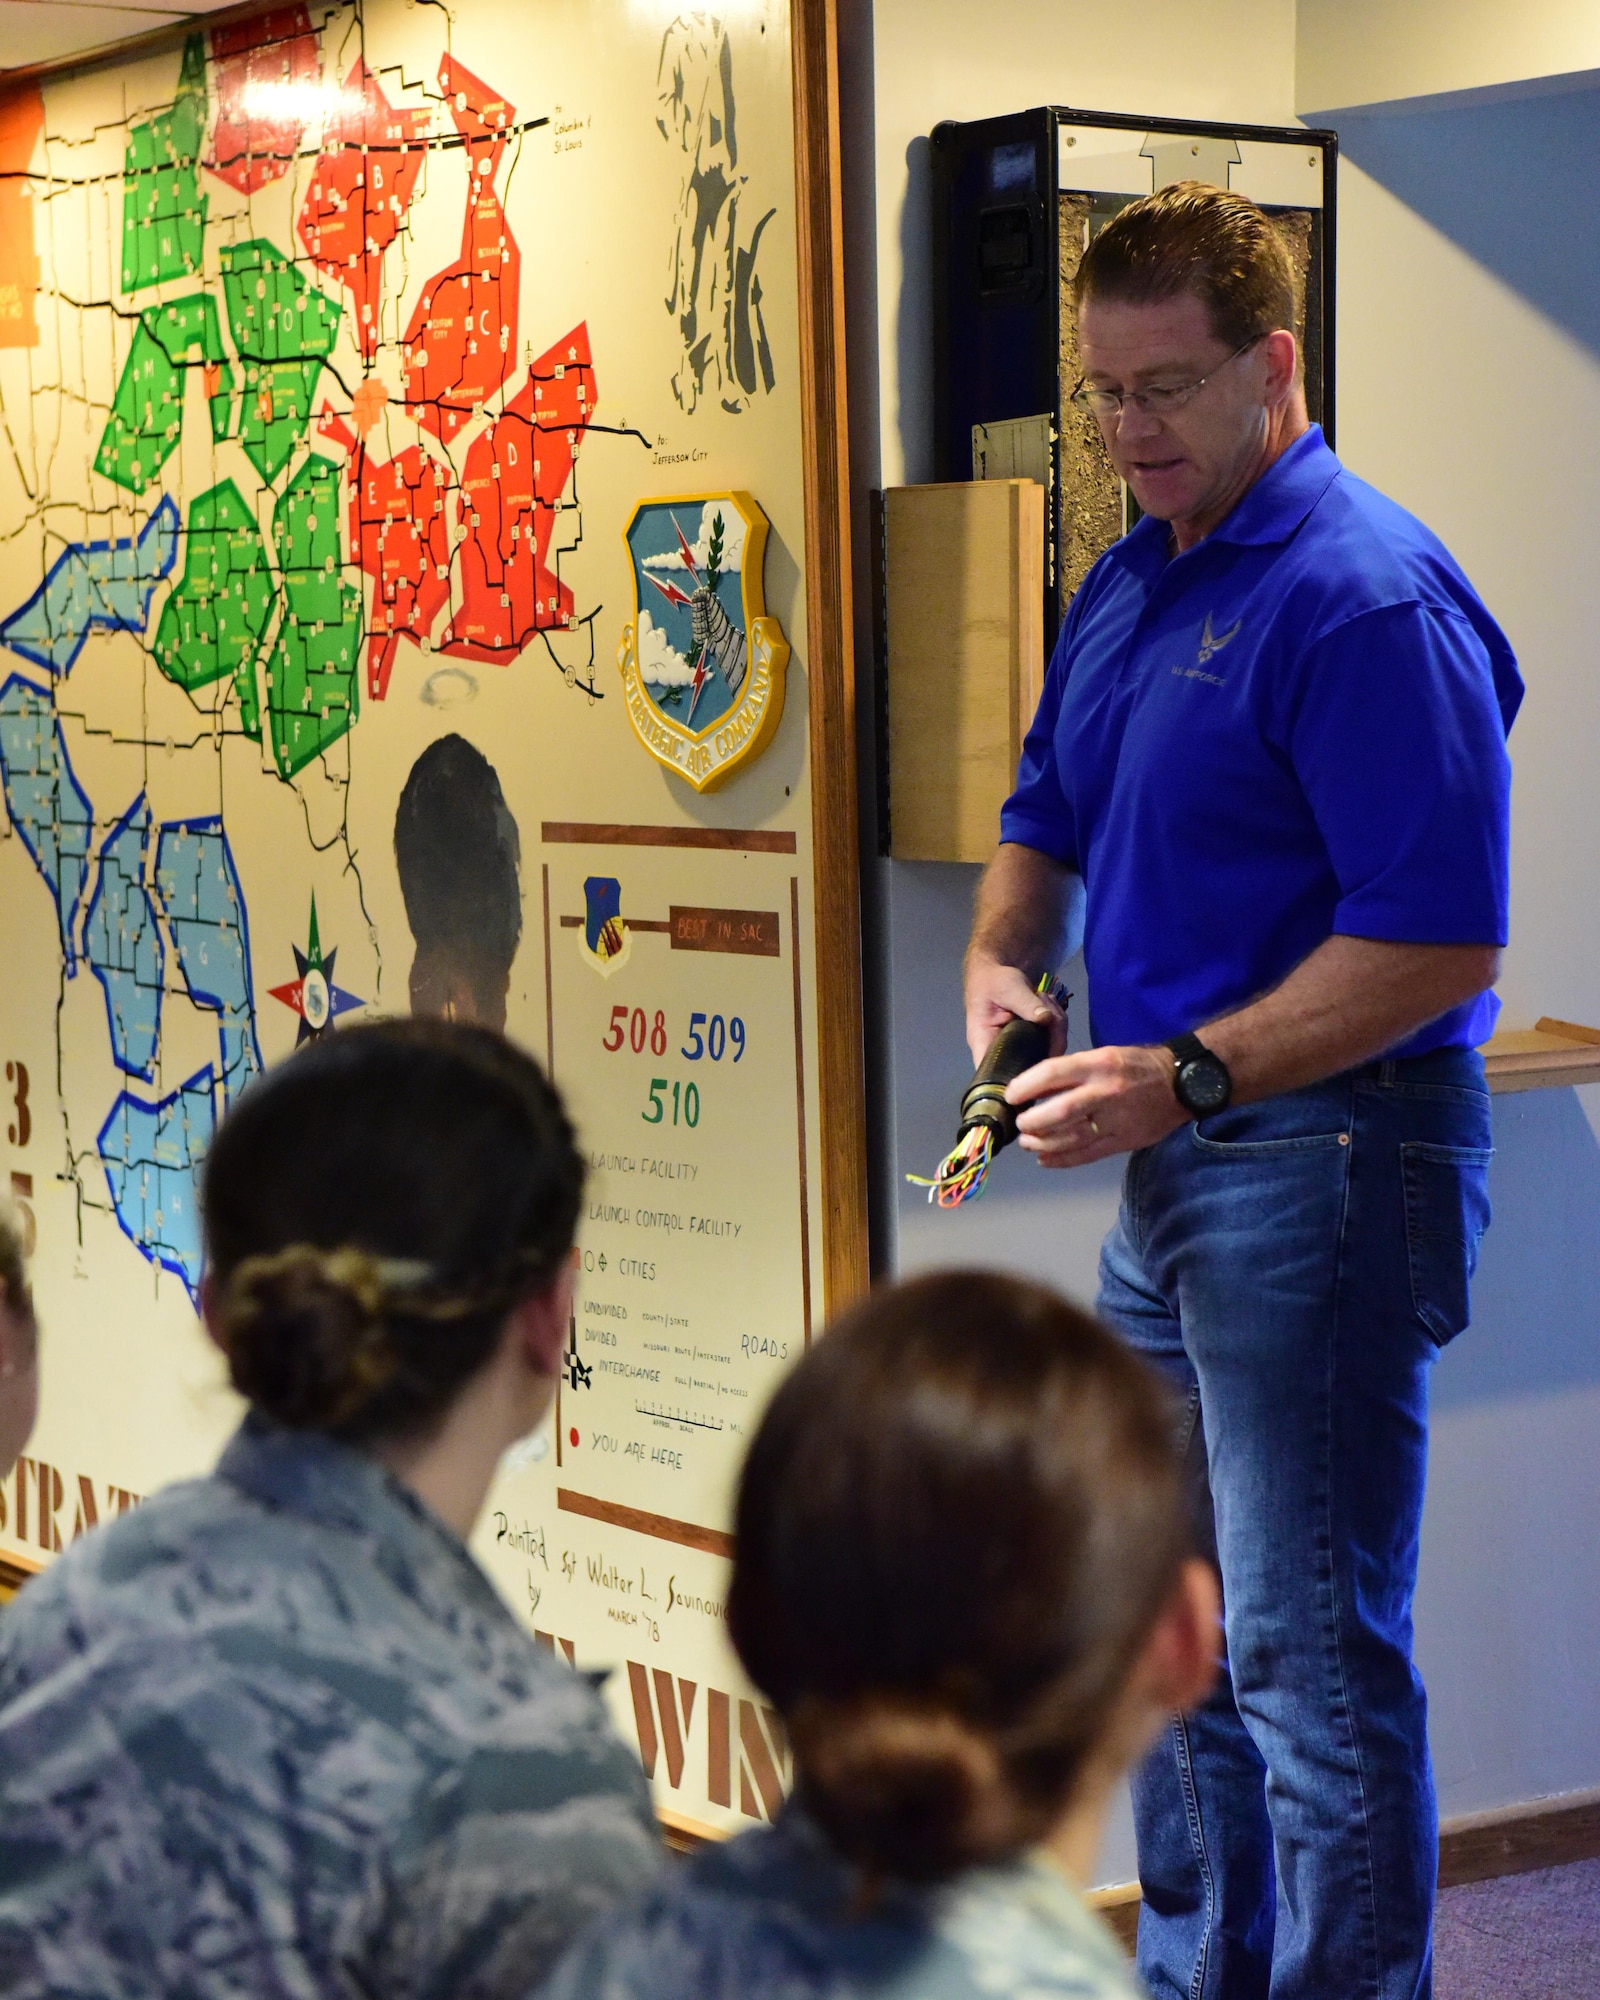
[[965, 658]]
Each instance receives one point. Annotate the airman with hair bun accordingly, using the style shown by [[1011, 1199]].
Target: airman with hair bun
[[274, 1732], [964, 1579]]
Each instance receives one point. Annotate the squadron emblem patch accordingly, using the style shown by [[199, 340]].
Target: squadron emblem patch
[[607, 941], [702, 664]]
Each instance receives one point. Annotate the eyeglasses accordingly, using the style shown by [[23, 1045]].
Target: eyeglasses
[[1165, 401]]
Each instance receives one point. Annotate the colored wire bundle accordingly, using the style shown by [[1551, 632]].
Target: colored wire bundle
[[987, 1121], [959, 1175]]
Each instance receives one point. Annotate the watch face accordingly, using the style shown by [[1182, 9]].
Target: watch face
[[1203, 1085]]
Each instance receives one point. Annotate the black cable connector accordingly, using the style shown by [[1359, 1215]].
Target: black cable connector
[[1018, 1046], [987, 1121]]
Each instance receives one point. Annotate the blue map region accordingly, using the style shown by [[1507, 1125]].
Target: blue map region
[[152, 1155], [45, 802], [123, 944], [199, 888], [95, 584], [152, 1152]]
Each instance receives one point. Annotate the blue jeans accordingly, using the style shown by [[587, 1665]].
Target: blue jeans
[[1292, 1268]]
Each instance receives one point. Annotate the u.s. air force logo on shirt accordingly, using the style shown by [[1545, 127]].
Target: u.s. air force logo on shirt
[[1212, 643], [702, 664]]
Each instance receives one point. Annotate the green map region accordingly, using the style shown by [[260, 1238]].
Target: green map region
[[163, 210]]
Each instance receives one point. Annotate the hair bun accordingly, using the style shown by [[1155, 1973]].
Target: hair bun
[[305, 1336], [912, 1791]]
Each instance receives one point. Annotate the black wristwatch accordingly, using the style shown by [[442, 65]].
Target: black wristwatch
[[1200, 1082]]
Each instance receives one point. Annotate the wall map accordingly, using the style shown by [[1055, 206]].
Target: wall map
[[340, 350]]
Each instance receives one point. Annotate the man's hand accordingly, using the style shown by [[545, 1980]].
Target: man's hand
[[1029, 913], [994, 994], [1092, 1105], [1346, 1002]]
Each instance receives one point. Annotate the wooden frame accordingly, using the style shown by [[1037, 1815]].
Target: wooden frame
[[830, 628], [15, 1571], [798, 454]]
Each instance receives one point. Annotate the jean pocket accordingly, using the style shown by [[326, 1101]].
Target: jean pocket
[[1236, 1134], [1447, 1211]]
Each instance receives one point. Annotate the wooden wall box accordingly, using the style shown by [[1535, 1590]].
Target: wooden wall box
[[964, 658]]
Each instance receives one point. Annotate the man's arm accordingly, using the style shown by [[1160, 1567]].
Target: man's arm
[[1351, 999], [1028, 919]]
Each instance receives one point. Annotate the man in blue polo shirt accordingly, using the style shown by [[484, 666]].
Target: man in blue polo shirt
[[1269, 769]]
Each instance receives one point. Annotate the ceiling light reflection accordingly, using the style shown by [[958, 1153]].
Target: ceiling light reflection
[[293, 101]]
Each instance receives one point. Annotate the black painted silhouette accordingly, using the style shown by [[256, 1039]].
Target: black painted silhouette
[[460, 858]]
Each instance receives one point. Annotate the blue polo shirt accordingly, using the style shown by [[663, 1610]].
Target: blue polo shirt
[[1296, 729]]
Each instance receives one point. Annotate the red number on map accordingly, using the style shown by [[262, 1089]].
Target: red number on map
[[612, 1038], [21, 1131]]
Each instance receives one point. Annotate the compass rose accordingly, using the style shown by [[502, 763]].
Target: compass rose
[[313, 996]]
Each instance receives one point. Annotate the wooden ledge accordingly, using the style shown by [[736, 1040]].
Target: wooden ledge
[[15, 1569], [1473, 1847], [1548, 1054]]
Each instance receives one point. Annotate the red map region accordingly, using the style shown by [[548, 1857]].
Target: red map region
[[516, 472], [462, 340], [362, 186], [332, 426], [401, 538], [267, 77]]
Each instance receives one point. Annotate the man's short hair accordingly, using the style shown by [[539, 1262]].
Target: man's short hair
[[1192, 237]]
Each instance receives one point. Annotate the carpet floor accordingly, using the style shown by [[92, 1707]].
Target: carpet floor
[[1522, 1937]]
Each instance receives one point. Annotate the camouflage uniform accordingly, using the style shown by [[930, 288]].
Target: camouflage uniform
[[274, 1734], [771, 1917]]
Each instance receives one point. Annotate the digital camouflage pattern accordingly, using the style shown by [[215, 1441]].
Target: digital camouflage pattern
[[274, 1734], [772, 1916]]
